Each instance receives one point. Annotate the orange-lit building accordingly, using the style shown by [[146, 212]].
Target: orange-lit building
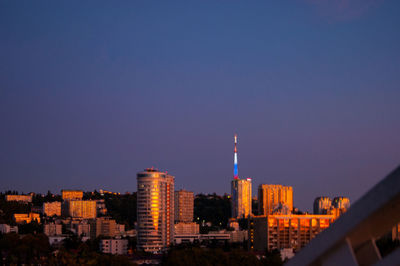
[[396, 232], [184, 205], [241, 198], [322, 205], [68, 194], [26, 217], [155, 210], [52, 208], [285, 231], [341, 203], [84, 209], [20, 198], [275, 199]]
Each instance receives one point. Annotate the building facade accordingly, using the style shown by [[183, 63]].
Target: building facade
[[83, 209], [285, 231], [114, 246], [52, 229], [52, 208], [68, 194], [275, 199], [155, 210], [80, 228], [184, 204], [5, 229], [186, 228], [103, 227], [20, 198], [322, 205], [26, 217], [341, 203], [241, 198]]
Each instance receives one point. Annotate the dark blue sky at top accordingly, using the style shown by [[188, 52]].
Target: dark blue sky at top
[[91, 92]]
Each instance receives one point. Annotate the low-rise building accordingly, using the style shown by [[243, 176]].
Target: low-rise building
[[52, 208], [114, 246], [52, 229], [102, 226], [57, 240], [26, 217], [5, 229], [82, 229], [69, 194], [186, 228], [238, 236], [285, 231], [19, 198]]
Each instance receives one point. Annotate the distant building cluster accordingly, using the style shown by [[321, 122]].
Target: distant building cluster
[[165, 216], [335, 207], [85, 218], [277, 226]]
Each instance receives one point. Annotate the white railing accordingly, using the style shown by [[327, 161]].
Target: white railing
[[350, 240]]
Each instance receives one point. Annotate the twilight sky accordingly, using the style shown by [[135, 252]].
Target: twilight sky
[[91, 92]]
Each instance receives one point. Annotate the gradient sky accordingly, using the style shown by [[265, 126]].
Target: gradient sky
[[91, 92]]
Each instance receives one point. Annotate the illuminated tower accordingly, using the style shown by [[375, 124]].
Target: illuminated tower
[[155, 210], [241, 191], [235, 163]]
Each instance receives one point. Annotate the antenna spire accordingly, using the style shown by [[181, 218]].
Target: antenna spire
[[235, 163]]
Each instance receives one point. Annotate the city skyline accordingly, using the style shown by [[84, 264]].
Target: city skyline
[[92, 93]]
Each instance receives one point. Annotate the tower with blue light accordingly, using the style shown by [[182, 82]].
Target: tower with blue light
[[241, 191], [235, 163]]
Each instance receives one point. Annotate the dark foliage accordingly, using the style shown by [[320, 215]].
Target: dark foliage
[[216, 256], [122, 208], [38, 200], [212, 208], [30, 228], [30, 249]]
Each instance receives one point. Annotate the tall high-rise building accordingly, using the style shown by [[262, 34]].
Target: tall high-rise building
[[155, 210], [240, 190], [184, 203], [322, 205], [241, 198], [275, 199]]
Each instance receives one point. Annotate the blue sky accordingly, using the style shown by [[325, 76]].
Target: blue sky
[[93, 92]]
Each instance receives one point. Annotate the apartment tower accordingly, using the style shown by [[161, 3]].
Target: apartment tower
[[155, 210]]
